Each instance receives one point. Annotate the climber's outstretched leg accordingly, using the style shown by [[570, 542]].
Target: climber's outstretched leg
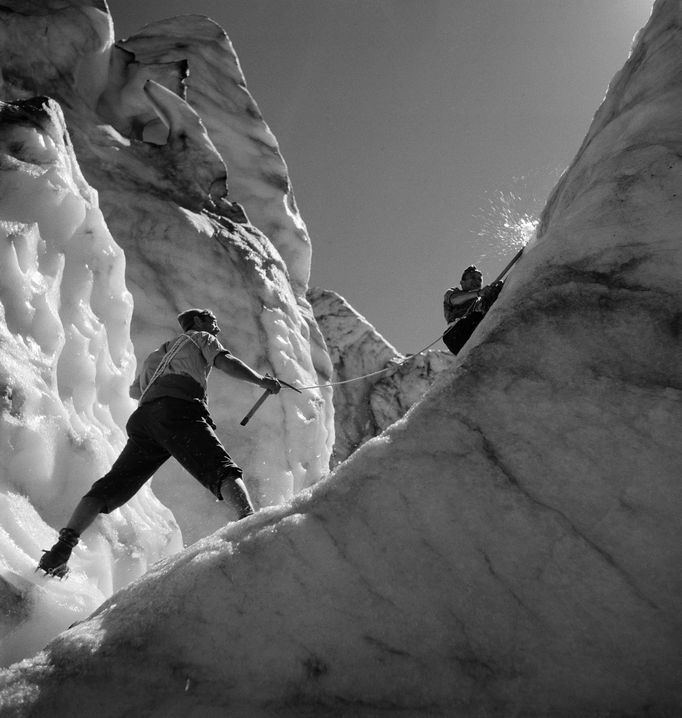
[[136, 463]]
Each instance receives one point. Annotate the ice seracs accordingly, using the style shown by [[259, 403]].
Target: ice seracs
[[203, 61], [510, 547], [69, 51], [164, 204], [66, 360], [374, 383], [189, 152]]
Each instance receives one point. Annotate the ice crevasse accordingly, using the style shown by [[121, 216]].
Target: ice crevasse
[[510, 547]]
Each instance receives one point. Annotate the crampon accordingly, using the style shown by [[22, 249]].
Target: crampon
[[53, 562], [60, 571]]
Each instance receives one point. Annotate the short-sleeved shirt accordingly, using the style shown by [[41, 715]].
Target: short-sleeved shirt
[[478, 304], [186, 375], [456, 311]]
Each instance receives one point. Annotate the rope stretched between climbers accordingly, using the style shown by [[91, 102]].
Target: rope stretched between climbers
[[409, 356], [375, 373], [392, 367]]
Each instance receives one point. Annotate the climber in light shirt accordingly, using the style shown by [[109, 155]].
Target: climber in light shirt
[[172, 419]]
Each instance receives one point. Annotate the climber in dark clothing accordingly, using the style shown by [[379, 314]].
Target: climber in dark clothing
[[465, 306], [172, 419]]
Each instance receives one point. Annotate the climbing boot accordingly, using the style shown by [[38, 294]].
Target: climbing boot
[[235, 492], [54, 561]]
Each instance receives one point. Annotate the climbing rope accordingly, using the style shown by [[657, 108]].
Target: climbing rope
[[166, 360], [375, 373], [421, 351], [392, 367]]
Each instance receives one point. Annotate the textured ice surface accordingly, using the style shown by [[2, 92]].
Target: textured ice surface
[[511, 547], [188, 244], [375, 384], [66, 361], [67, 295]]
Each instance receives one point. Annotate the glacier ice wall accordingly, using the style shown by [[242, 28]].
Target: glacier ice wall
[[66, 361], [162, 198], [376, 384], [202, 249], [151, 132], [510, 547], [206, 71]]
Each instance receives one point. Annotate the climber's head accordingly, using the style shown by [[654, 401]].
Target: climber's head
[[202, 320], [472, 279]]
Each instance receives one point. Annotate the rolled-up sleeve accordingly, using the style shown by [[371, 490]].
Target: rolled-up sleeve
[[210, 347]]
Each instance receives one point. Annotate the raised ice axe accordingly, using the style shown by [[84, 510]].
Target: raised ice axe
[[262, 399]]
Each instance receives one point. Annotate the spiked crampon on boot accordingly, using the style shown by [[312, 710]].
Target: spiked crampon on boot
[[54, 561]]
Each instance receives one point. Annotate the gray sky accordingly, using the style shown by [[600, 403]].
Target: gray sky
[[415, 129]]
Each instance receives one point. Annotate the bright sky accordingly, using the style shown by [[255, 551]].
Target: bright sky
[[415, 129]]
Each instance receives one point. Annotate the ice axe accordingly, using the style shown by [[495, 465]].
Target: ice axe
[[262, 399], [516, 258]]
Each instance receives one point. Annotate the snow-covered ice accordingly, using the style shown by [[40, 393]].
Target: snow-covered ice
[[511, 546], [66, 361]]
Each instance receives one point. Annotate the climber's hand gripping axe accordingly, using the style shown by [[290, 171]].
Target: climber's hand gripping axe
[[262, 399]]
